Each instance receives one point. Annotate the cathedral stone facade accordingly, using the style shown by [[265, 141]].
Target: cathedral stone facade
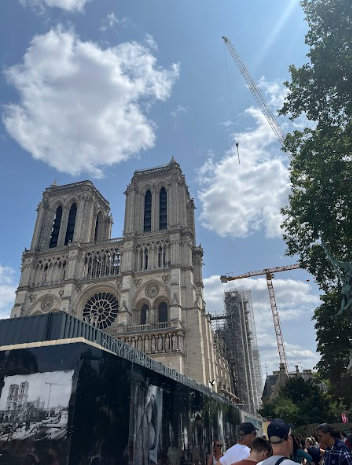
[[145, 288]]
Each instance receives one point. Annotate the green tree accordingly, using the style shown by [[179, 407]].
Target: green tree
[[320, 205], [302, 403], [335, 345]]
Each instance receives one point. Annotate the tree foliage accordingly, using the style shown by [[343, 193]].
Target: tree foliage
[[320, 205], [302, 403]]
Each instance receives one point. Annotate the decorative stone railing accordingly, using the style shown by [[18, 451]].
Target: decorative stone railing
[[172, 324], [156, 343], [100, 244], [152, 338]]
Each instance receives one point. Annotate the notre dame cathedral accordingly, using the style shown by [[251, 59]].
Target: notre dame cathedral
[[145, 288]]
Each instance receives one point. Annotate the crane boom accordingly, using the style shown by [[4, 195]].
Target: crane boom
[[276, 317], [276, 269], [257, 94]]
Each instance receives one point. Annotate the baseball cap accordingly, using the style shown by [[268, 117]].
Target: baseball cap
[[247, 428], [278, 431]]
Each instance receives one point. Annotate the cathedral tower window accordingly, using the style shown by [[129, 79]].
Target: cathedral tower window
[[146, 259], [163, 209], [98, 226], [56, 228], [71, 224], [162, 312], [147, 211], [144, 312]]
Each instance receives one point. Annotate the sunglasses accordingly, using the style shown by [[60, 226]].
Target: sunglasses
[[218, 445]]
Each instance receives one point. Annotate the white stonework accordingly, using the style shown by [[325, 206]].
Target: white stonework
[[145, 288]]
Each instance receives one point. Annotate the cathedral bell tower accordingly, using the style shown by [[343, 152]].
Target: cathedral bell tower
[[67, 218]]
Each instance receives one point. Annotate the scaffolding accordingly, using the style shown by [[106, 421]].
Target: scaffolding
[[235, 334]]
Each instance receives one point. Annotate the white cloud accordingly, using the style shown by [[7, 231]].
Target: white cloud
[[7, 290], [296, 306], [111, 19], [150, 41], [68, 5], [179, 110], [82, 107], [239, 199]]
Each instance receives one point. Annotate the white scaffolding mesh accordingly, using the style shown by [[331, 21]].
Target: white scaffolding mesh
[[235, 333]]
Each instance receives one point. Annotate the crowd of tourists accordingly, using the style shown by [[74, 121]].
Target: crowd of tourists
[[280, 446]]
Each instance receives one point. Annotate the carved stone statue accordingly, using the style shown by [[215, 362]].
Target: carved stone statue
[[160, 343], [343, 271]]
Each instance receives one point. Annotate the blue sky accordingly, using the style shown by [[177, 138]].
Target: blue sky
[[97, 89]]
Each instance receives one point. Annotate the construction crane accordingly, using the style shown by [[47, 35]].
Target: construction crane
[[269, 277], [267, 112]]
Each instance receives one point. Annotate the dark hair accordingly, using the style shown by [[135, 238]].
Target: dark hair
[[261, 445], [326, 428], [349, 439], [296, 445]]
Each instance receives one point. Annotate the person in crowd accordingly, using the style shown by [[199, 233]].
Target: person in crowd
[[348, 441], [336, 452], [216, 453], [298, 453], [312, 450], [281, 440], [240, 451], [260, 450]]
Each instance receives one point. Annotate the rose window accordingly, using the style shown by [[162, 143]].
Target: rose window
[[101, 310]]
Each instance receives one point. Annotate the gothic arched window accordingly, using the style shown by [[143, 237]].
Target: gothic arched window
[[148, 211], [144, 311], [162, 312], [98, 225], [56, 228], [71, 224], [163, 209]]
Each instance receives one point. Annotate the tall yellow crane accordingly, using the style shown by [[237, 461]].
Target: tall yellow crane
[[268, 272]]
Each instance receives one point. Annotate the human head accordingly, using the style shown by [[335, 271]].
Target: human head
[[261, 449], [247, 433], [280, 437], [217, 446], [326, 433]]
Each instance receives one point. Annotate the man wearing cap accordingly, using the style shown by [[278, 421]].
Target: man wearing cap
[[281, 440], [336, 452], [241, 450]]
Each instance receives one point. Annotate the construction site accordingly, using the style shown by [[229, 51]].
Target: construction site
[[235, 336]]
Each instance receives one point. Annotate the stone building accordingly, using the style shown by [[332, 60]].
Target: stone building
[[279, 378], [145, 288]]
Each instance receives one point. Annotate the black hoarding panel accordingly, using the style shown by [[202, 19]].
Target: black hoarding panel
[[24, 329], [75, 404]]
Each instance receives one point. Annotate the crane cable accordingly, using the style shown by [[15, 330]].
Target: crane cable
[[233, 112]]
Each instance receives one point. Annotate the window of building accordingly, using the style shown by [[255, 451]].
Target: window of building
[[56, 228], [148, 211], [163, 209], [98, 225], [162, 312], [146, 259], [144, 311], [71, 224]]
